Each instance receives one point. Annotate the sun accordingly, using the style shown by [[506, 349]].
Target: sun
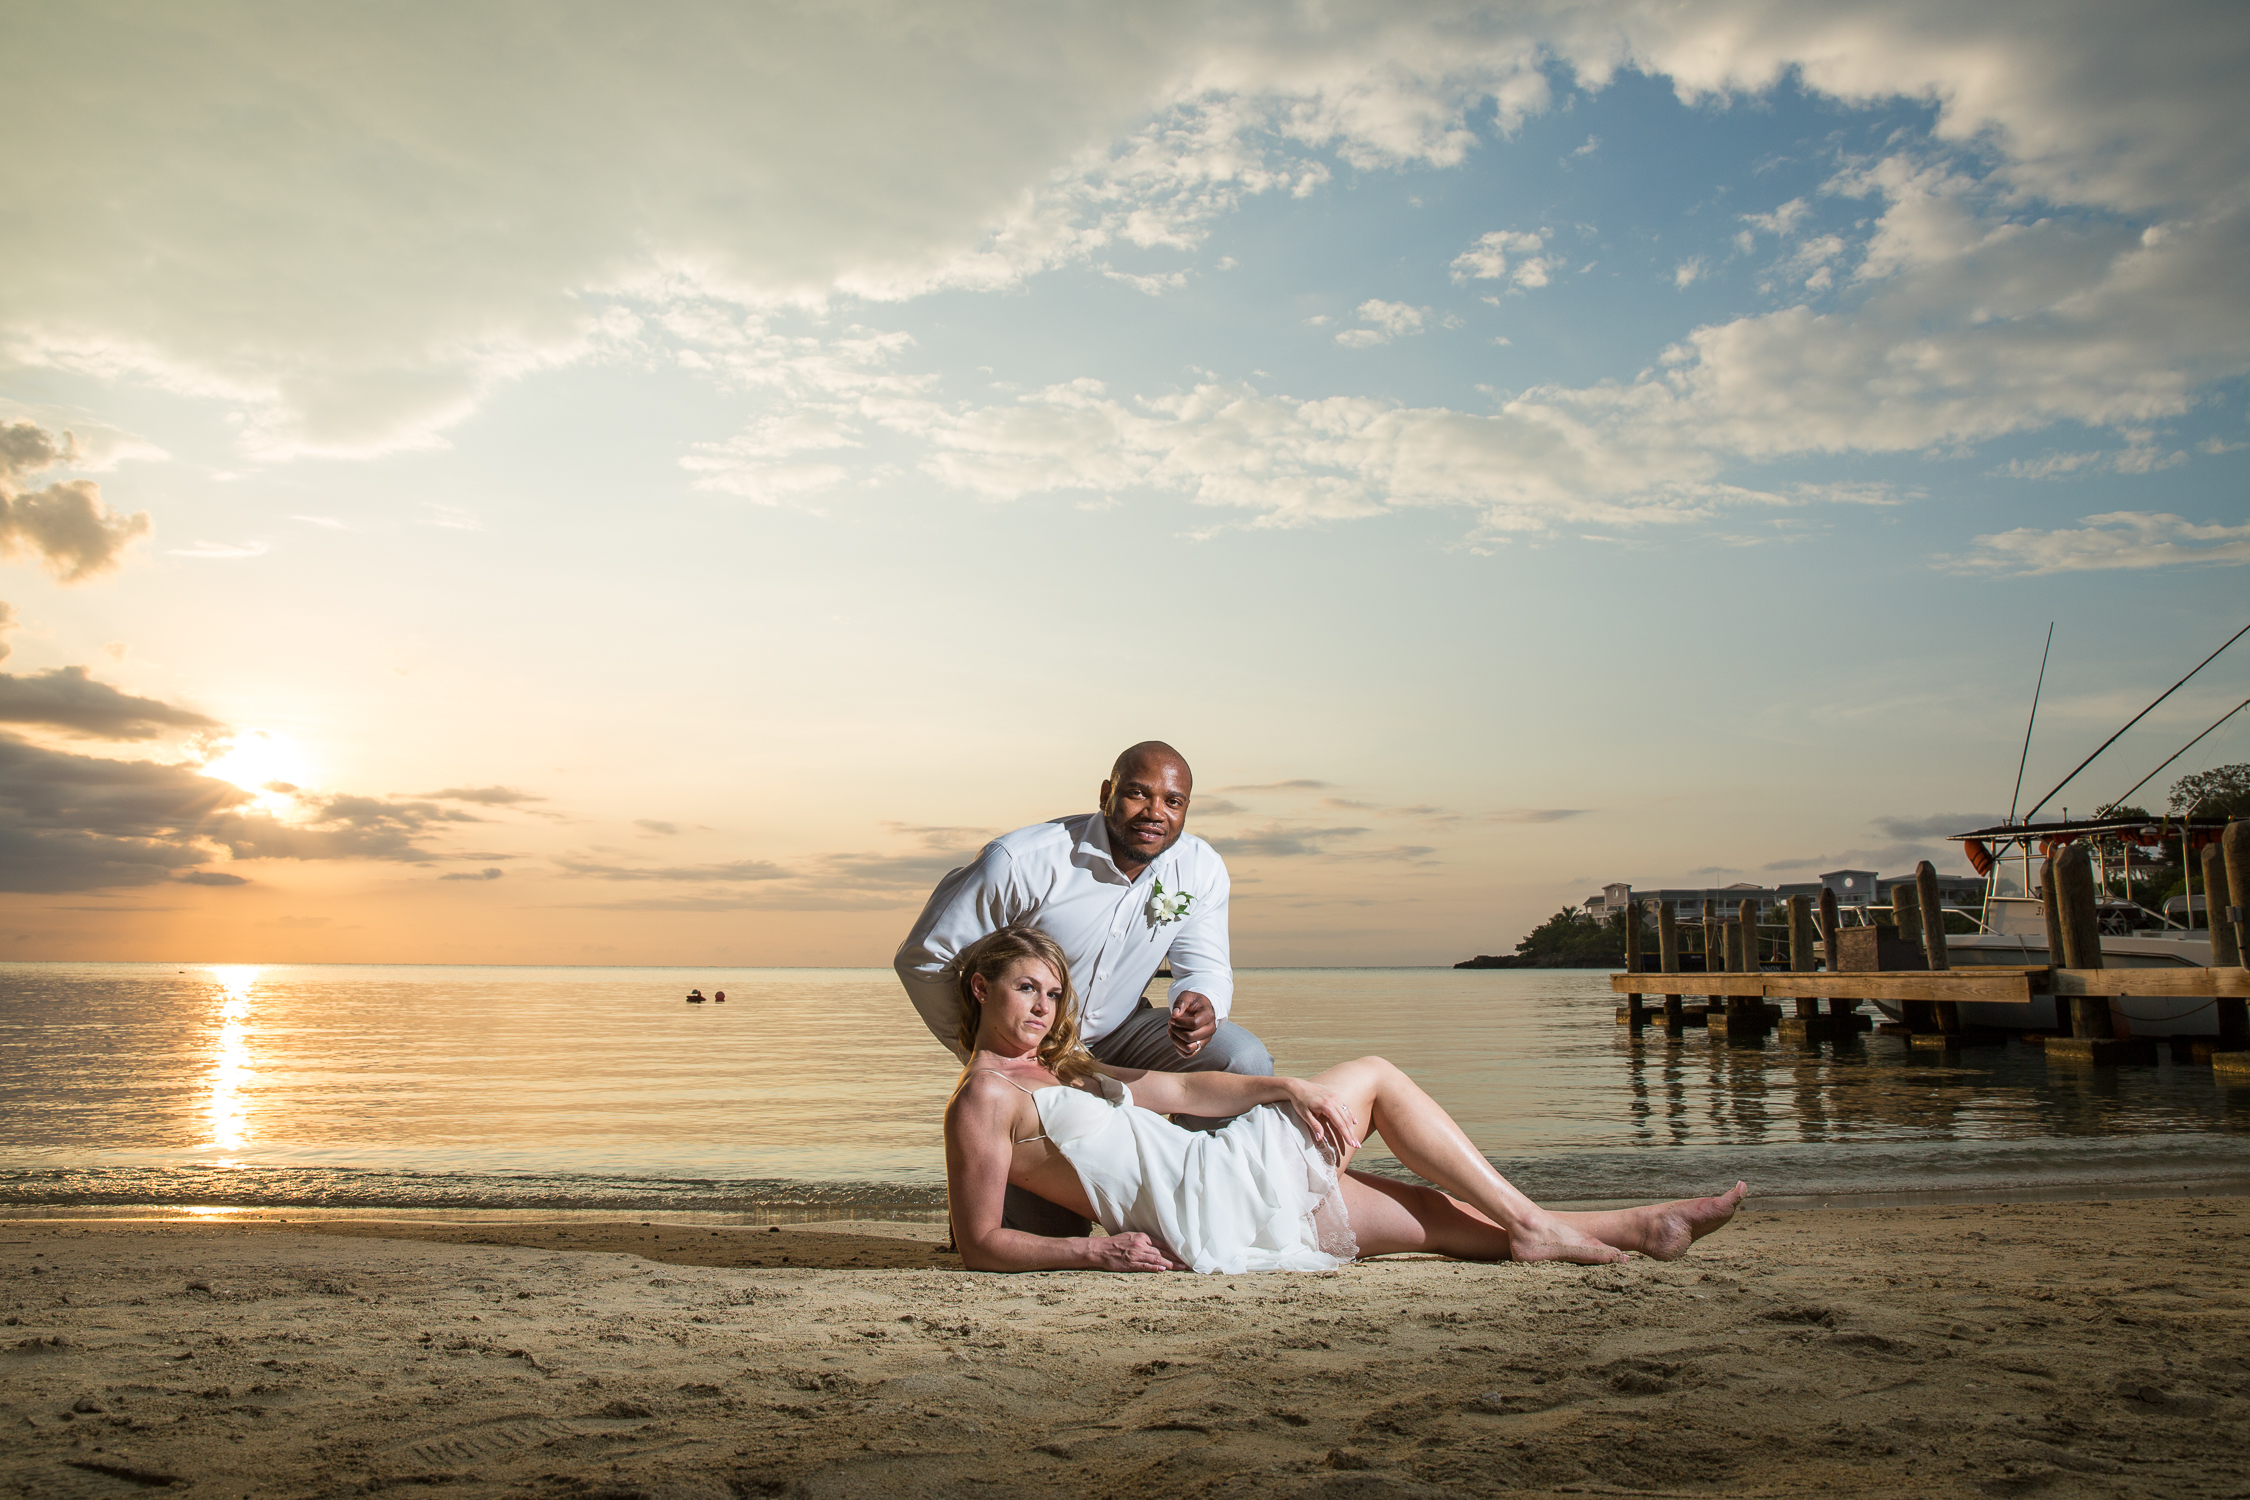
[[261, 762]]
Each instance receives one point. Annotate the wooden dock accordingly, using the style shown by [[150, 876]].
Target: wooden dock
[[1906, 963]]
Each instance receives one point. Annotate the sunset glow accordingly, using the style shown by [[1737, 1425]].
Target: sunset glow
[[262, 762], [674, 493], [232, 1064]]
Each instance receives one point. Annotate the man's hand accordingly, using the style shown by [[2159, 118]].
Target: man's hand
[[1193, 1022], [1132, 1252]]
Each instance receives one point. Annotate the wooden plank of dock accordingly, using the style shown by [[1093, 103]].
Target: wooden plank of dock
[[2187, 984], [1989, 985], [1983, 984]]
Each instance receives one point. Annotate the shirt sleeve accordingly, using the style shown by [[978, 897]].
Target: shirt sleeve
[[1199, 955], [976, 899]]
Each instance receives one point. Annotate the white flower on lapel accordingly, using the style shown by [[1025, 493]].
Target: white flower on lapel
[[1166, 907]]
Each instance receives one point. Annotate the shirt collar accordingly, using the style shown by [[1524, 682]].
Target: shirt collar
[[1095, 843]]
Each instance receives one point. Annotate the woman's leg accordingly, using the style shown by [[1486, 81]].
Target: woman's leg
[[1493, 1219]]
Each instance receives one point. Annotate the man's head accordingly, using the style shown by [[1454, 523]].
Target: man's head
[[1145, 803]]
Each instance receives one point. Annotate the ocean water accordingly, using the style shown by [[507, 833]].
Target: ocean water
[[817, 1093]]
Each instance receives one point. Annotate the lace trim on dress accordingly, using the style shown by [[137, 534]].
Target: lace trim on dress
[[1331, 1222]]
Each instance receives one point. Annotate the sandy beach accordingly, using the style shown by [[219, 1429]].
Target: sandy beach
[[2060, 1349]]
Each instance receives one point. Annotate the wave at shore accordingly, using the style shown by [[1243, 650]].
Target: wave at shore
[[1898, 1171]]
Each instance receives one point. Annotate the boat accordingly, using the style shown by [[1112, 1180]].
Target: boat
[[2012, 926]]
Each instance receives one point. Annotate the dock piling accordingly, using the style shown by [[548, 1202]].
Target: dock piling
[[1843, 1015], [1668, 961], [2076, 912], [1920, 1015], [1801, 951], [1746, 1014], [2226, 875], [2050, 911], [1635, 1016], [1714, 954], [1807, 1025], [1945, 1012], [2216, 883], [2093, 1038], [2234, 844]]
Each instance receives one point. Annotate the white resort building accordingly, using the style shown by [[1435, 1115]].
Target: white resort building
[[1852, 887]]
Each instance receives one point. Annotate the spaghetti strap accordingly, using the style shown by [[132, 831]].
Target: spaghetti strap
[[1004, 1078], [1019, 1088]]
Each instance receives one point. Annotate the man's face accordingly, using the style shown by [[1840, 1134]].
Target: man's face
[[1146, 809]]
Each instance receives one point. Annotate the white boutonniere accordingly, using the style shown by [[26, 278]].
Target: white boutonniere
[[1167, 906]]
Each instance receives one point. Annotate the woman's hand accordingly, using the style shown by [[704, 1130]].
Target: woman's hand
[[1325, 1113], [1132, 1252]]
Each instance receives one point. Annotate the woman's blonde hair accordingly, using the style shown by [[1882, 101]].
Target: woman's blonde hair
[[1060, 1053]]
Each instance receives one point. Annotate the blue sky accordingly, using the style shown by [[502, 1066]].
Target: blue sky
[[715, 473]]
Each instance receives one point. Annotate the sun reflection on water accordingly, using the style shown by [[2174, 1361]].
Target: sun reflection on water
[[232, 1065]]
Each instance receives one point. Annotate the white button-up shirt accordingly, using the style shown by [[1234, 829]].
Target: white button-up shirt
[[1060, 878]]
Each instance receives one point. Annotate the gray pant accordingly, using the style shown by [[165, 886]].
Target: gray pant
[[1143, 1040]]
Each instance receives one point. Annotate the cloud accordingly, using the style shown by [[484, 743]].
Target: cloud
[[2053, 466], [484, 874], [1301, 784], [1488, 258], [1216, 807], [1386, 320], [1280, 841], [1153, 285], [1987, 329], [1782, 221], [2061, 246], [340, 826], [210, 877], [73, 822], [1934, 827], [656, 826], [9, 621], [1411, 854], [65, 524], [65, 698], [2123, 539], [941, 850], [783, 899], [762, 462], [723, 873], [853, 880], [1688, 272], [1539, 814], [1911, 839], [486, 796], [1894, 859]]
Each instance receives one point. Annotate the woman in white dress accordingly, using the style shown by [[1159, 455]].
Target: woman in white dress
[[1272, 1190]]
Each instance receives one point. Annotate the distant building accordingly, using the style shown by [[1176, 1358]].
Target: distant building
[[1852, 888]]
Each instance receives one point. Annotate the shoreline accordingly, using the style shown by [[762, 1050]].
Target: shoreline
[[1964, 1350], [2072, 1191]]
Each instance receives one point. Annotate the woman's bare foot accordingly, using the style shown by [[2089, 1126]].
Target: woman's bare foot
[[1548, 1238], [1672, 1227]]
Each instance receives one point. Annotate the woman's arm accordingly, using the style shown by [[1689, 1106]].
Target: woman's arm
[[979, 1142], [1325, 1112]]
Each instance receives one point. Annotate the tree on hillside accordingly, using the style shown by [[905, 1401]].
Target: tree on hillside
[[1573, 940], [2221, 792]]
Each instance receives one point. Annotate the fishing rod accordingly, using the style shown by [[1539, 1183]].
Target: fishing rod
[[2017, 795], [2175, 755], [2144, 713]]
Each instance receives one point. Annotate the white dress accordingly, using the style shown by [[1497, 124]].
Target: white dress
[[1258, 1195]]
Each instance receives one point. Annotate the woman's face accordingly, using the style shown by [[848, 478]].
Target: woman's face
[[1020, 1007]]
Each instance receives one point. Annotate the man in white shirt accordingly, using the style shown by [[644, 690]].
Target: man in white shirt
[[1122, 891]]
